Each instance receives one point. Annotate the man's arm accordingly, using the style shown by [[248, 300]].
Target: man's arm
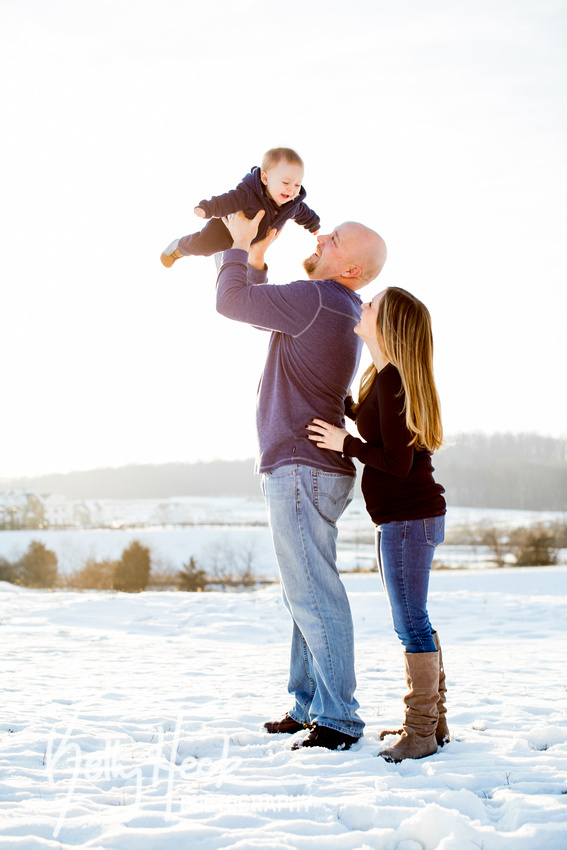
[[258, 250], [242, 229], [288, 309]]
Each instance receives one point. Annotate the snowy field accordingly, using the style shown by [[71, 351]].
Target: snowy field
[[178, 528], [134, 722]]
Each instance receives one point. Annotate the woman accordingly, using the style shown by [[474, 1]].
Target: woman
[[398, 415]]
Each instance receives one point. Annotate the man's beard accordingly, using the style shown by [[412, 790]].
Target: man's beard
[[310, 264]]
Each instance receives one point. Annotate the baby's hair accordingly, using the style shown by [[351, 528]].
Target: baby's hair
[[275, 155]]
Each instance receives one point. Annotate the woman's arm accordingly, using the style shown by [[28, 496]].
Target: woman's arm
[[391, 452]]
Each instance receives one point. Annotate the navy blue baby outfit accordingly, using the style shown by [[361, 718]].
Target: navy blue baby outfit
[[250, 197]]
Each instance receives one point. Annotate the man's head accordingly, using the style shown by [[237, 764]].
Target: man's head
[[282, 174], [352, 255]]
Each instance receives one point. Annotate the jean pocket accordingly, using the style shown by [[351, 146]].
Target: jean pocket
[[434, 530], [332, 493], [285, 471]]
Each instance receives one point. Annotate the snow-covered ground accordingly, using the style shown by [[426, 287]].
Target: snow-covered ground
[[134, 722]]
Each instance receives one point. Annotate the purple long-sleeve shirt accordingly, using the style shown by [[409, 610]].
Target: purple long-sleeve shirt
[[312, 358]]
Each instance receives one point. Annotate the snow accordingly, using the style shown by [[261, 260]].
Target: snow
[[134, 722]]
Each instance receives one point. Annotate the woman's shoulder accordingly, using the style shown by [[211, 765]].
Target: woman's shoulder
[[388, 377], [389, 389]]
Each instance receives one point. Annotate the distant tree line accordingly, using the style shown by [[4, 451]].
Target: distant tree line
[[150, 481], [225, 569], [524, 471], [532, 546], [520, 471], [38, 568]]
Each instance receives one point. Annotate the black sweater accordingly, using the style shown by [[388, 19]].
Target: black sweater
[[397, 482]]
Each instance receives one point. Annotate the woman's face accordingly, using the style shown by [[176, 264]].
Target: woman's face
[[366, 328]]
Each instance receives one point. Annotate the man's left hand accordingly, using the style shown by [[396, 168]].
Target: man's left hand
[[242, 229]]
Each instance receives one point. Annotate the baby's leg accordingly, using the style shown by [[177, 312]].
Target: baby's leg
[[214, 237]]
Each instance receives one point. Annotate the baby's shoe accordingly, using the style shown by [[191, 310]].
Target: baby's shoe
[[171, 254]]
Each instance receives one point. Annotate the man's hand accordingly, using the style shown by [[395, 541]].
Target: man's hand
[[242, 229], [258, 249], [200, 212]]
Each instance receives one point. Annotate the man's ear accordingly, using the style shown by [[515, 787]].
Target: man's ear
[[264, 178], [352, 272]]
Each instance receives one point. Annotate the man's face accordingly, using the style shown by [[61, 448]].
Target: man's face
[[283, 181], [330, 258]]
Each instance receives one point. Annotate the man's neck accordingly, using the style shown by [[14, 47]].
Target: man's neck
[[352, 283]]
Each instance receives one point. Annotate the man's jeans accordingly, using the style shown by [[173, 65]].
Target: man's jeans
[[405, 553], [303, 506]]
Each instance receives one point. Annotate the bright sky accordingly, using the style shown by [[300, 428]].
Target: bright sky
[[442, 125]]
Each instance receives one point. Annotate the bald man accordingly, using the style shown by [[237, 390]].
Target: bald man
[[312, 358]]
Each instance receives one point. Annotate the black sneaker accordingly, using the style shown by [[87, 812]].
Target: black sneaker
[[286, 724], [322, 736]]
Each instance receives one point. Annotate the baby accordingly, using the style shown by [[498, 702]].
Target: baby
[[274, 187]]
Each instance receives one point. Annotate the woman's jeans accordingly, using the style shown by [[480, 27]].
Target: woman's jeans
[[405, 552], [303, 506]]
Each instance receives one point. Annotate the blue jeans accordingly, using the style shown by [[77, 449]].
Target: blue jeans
[[405, 552], [303, 506]]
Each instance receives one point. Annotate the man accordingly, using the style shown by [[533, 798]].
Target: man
[[312, 358]]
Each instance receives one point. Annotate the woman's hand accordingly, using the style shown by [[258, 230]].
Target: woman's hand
[[327, 436]]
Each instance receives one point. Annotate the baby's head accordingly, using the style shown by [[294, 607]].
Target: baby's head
[[281, 174]]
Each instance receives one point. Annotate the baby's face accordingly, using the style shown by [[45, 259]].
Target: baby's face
[[283, 181]]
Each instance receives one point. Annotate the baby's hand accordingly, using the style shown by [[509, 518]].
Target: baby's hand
[[200, 212]]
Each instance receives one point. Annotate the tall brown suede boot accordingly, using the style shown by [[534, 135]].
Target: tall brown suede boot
[[418, 736], [442, 732]]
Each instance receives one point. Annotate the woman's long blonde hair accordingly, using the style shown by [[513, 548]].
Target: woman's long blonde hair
[[403, 331]]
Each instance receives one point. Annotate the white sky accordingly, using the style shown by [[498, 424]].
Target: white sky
[[440, 124]]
